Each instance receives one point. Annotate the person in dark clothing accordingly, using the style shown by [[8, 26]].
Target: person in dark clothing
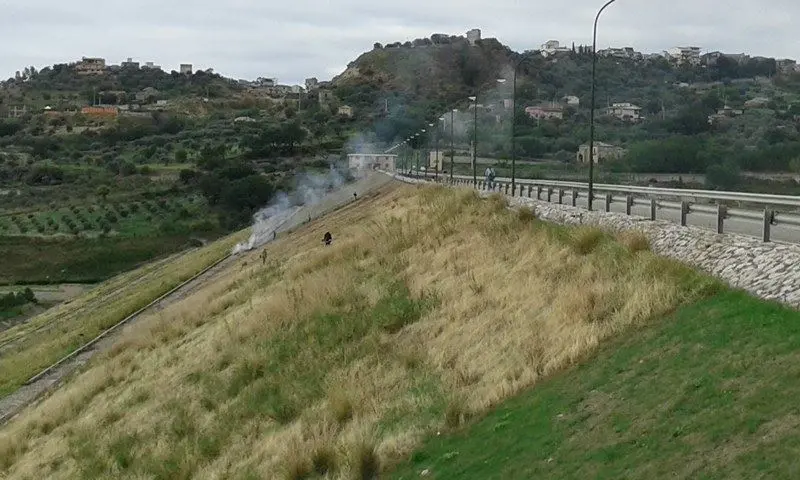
[[355, 196], [327, 238]]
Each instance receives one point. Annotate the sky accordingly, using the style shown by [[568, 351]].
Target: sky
[[291, 40]]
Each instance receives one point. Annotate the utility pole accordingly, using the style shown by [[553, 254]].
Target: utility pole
[[452, 143], [592, 106], [475, 143]]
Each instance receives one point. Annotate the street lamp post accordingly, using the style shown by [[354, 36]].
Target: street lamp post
[[419, 149], [428, 151], [475, 143], [514, 127], [452, 142], [591, 114], [438, 136]]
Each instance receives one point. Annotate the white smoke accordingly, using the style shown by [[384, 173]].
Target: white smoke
[[311, 189]]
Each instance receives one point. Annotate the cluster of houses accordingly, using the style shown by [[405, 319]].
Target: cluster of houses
[[681, 55], [624, 111], [97, 66], [270, 89]]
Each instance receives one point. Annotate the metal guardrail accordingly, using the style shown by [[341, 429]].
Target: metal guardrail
[[766, 208]]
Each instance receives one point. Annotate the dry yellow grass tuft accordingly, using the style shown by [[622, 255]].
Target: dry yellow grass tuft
[[431, 306], [635, 241]]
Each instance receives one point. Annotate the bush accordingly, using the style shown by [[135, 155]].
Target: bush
[[585, 240], [635, 241], [726, 176]]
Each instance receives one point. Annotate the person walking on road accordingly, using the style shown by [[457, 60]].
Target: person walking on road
[[490, 177]]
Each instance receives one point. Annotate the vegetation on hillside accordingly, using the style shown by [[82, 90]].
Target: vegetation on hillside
[[88, 197], [339, 360], [708, 393], [422, 81]]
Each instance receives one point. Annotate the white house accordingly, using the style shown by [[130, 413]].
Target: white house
[[602, 152], [545, 112], [681, 55], [625, 111], [571, 100], [551, 47], [346, 111]]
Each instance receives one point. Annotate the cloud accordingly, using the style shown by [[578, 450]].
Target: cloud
[[302, 38]]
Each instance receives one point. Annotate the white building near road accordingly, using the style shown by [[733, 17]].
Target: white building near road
[[372, 161]]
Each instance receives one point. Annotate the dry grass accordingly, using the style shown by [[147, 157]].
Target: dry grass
[[430, 307], [634, 241]]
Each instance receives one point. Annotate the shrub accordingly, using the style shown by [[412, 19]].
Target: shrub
[[364, 460], [635, 241], [455, 413], [341, 406], [324, 461], [526, 215], [586, 239]]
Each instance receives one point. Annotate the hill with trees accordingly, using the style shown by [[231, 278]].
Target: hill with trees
[[89, 158], [728, 115]]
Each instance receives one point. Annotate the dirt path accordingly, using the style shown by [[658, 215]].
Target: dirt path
[[12, 404]]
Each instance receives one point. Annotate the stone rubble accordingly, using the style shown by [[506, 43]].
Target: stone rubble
[[768, 270]]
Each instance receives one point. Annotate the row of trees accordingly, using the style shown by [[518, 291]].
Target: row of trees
[[11, 299]]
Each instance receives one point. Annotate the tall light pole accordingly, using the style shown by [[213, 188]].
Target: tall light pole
[[452, 142], [514, 126], [419, 150], [431, 139], [475, 143], [409, 153], [438, 136], [591, 114]]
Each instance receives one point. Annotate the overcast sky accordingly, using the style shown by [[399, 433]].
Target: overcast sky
[[294, 39]]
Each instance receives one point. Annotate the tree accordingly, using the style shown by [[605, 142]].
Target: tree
[[723, 176], [691, 121], [29, 296], [103, 191], [794, 165], [181, 155], [377, 46], [248, 193]]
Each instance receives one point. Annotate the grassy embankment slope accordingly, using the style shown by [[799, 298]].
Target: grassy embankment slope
[[710, 393], [430, 307], [30, 347]]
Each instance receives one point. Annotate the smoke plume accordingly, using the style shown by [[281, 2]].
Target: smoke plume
[[310, 190]]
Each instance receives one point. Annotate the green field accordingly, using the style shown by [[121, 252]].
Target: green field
[[62, 260], [708, 393], [128, 219], [89, 243]]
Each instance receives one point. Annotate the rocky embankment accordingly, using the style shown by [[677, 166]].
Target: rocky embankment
[[768, 270]]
